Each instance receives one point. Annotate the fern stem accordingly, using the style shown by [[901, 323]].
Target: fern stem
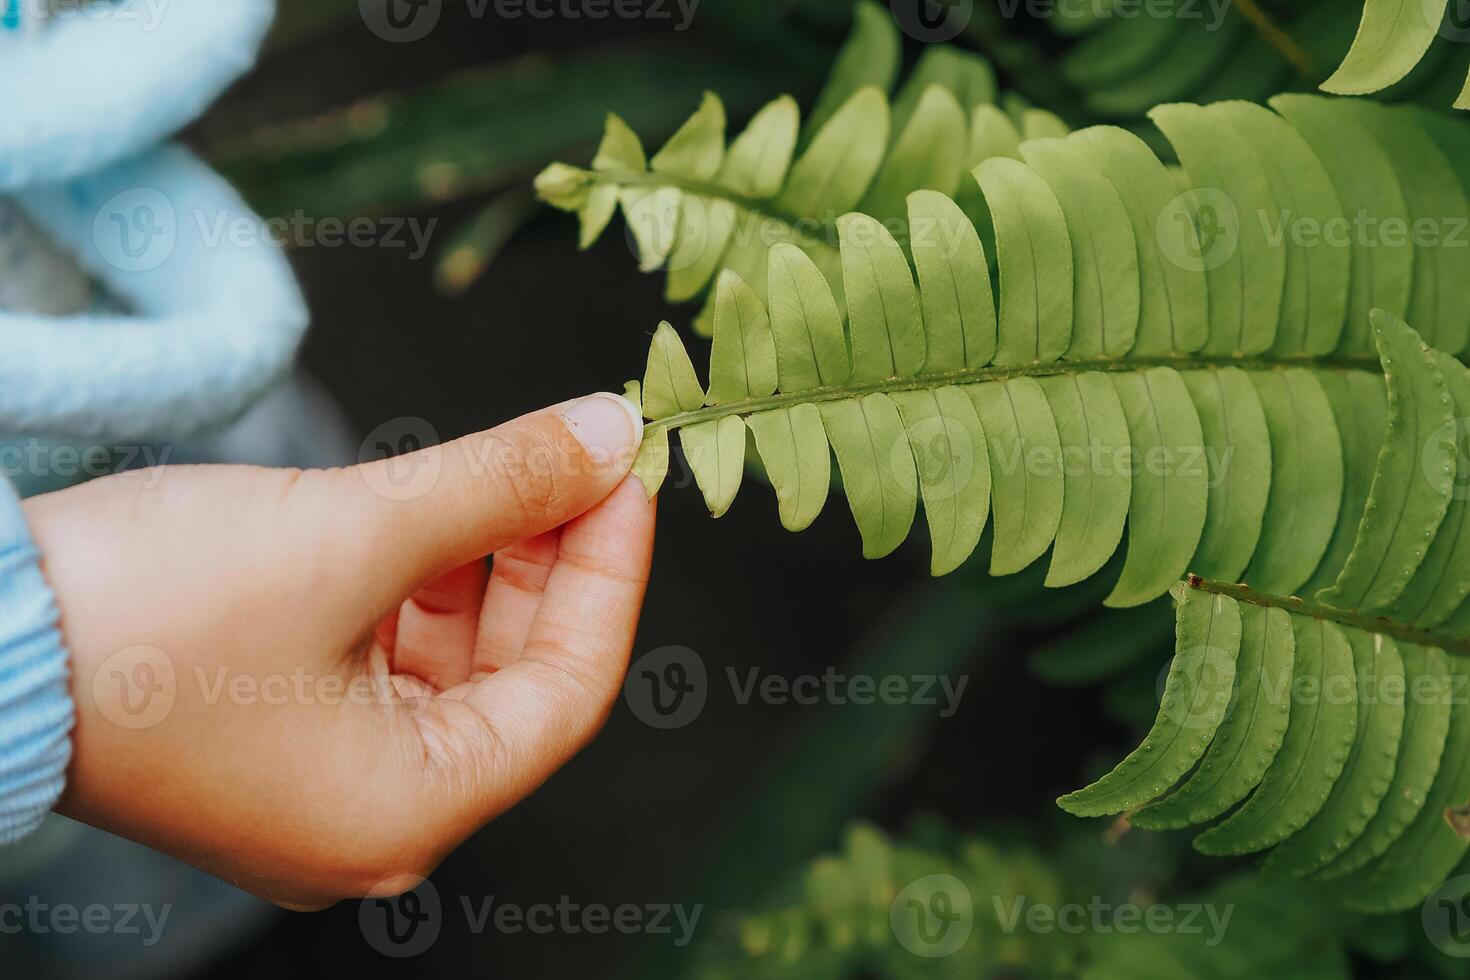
[[703, 188], [1036, 369], [1273, 35], [1343, 617]]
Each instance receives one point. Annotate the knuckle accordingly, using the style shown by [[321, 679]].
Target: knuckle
[[524, 464]]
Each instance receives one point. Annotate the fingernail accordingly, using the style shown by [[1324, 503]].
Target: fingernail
[[605, 423]]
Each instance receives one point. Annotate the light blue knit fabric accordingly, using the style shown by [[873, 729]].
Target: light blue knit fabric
[[92, 87], [213, 314], [217, 315]]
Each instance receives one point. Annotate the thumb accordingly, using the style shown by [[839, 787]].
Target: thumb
[[438, 508]]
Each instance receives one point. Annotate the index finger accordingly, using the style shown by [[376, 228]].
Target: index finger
[[544, 707]]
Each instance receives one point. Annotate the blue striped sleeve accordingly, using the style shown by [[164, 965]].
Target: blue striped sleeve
[[36, 712]]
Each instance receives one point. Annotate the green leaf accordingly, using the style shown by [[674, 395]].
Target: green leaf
[[1238, 454], [1245, 273], [1392, 36], [1038, 124], [1428, 850], [1025, 470], [805, 323], [793, 445], [1166, 512], [743, 357], [993, 134], [715, 451], [1121, 49], [1442, 582], [1181, 70], [1035, 263], [1412, 480], [1174, 310], [1315, 291], [1426, 723], [869, 57], [653, 216], [1441, 293], [1250, 734], [1196, 694], [958, 308], [1382, 264], [884, 323], [1360, 406], [1105, 292], [968, 77], [1306, 480], [697, 148], [1093, 436], [1365, 778], [949, 450], [759, 158], [831, 174], [669, 383], [877, 468], [651, 464], [1318, 738], [928, 155]]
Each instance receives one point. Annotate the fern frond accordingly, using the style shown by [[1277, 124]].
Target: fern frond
[[1340, 722], [931, 394], [1333, 739], [1121, 66], [874, 909], [1393, 37], [698, 206]]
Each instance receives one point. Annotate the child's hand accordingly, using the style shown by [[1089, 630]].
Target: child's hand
[[255, 695]]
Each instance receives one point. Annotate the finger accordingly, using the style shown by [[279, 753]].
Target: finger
[[542, 708], [436, 509], [518, 578], [435, 640]]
